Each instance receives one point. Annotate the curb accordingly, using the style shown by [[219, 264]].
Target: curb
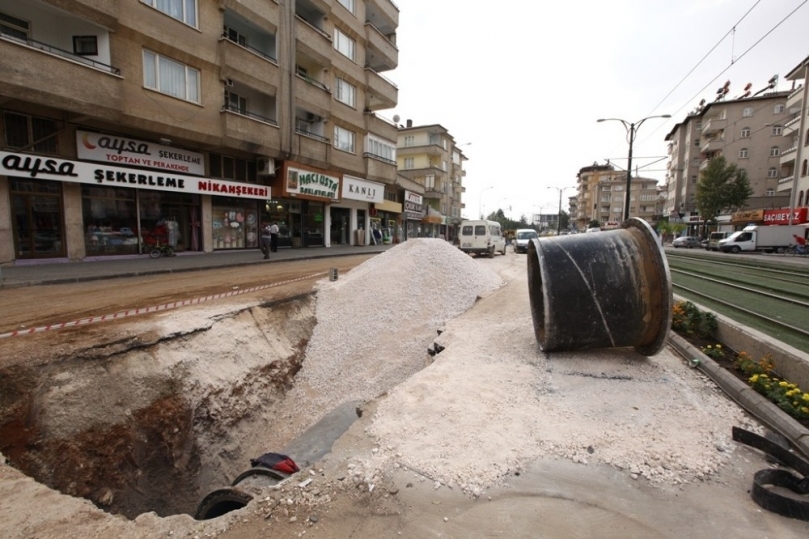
[[755, 404]]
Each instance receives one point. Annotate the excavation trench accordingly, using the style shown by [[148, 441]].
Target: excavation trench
[[155, 423]]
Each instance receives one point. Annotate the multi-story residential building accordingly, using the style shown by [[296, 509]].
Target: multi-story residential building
[[747, 131], [127, 123], [601, 196], [794, 160], [429, 155]]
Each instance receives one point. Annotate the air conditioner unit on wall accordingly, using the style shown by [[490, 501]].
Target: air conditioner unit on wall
[[265, 166]]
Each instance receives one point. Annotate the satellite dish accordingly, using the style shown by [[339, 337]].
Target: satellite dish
[[396, 118]]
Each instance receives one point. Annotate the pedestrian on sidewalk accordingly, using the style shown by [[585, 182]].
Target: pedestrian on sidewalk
[[266, 238], [274, 237]]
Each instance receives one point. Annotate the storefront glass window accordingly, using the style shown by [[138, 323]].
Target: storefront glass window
[[170, 218], [37, 218], [235, 224], [313, 225], [110, 220]]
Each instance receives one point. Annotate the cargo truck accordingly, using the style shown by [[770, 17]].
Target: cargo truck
[[773, 238]]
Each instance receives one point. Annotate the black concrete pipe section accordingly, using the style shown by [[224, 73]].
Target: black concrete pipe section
[[605, 289]]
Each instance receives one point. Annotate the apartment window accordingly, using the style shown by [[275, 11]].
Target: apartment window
[[381, 148], [14, 27], [344, 44], [235, 103], [409, 140], [30, 132], [85, 45], [444, 166], [743, 153], [408, 163], [699, 125], [346, 92], [770, 192], [695, 161], [772, 172], [778, 109], [745, 132], [775, 151], [348, 4], [747, 112], [777, 129], [343, 139], [235, 36], [182, 10], [170, 77], [696, 143], [232, 168], [429, 182], [693, 180]]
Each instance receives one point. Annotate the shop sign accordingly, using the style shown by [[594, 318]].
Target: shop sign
[[314, 184], [46, 168], [749, 215], [363, 190], [781, 217], [413, 206], [126, 151]]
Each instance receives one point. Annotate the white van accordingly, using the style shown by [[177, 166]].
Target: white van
[[482, 238]]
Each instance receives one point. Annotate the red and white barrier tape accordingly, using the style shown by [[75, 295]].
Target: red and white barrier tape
[[152, 309]]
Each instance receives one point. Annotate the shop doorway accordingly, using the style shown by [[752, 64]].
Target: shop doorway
[[38, 222], [340, 226]]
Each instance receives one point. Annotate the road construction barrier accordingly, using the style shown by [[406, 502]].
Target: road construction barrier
[[604, 290]]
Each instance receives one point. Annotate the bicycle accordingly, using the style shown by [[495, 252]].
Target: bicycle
[[799, 250], [162, 250]]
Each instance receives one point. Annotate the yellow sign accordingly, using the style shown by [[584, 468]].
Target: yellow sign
[[748, 215]]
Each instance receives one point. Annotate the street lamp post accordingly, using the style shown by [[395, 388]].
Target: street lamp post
[[480, 200], [559, 214], [631, 129]]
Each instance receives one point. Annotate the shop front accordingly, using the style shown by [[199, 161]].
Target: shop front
[[300, 205], [349, 221], [386, 222], [116, 210], [431, 223], [413, 212], [741, 219]]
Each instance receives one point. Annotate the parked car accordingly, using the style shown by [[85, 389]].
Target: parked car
[[688, 242], [704, 245]]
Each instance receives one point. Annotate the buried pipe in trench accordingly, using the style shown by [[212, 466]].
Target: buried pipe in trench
[[608, 289]]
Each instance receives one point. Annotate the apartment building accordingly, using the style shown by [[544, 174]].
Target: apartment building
[[124, 124], [747, 131], [601, 196], [794, 160], [429, 155]]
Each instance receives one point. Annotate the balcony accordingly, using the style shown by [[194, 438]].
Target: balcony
[[44, 72], [429, 149], [794, 99], [788, 156], [379, 127], [380, 93], [379, 169], [249, 131], [383, 14], [380, 54], [312, 94], [792, 125], [712, 125], [313, 41], [252, 67], [712, 145]]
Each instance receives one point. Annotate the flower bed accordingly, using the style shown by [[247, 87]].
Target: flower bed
[[699, 327]]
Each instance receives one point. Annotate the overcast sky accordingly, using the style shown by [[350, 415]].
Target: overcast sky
[[525, 82]]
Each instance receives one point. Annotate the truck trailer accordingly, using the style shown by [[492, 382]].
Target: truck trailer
[[772, 238]]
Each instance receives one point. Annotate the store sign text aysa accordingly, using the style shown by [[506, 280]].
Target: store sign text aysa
[[139, 153], [46, 168]]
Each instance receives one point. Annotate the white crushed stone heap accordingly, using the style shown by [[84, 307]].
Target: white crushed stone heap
[[376, 322]]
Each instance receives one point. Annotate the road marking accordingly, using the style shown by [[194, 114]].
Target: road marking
[[152, 309]]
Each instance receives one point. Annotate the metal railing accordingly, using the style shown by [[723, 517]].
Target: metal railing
[[305, 133], [60, 52], [379, 158], [232, 108], [251, 49], [313, 82]]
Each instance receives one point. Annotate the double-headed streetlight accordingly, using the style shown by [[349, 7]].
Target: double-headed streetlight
[[559, 214], [631, 128]]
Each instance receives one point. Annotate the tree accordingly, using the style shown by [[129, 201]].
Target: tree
[[564, 220], [722, 187]]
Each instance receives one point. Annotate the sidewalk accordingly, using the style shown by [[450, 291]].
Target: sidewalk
[[43, 272]]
